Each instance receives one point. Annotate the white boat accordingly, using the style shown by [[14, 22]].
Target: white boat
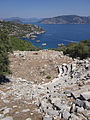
[[38, 41], [44, 44], [60, 45]]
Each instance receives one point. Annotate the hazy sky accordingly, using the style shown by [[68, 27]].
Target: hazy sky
[[43, 8]]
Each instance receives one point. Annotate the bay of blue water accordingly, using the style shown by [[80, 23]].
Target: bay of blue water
[[58, 34]]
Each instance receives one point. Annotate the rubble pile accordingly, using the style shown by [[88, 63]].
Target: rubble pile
[[66, 97]]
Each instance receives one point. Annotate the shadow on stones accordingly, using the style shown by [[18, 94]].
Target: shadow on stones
[[4, 79]]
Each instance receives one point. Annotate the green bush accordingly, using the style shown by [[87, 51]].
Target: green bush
[[22, 45], [48, 77], [4, 49], [81, 49]]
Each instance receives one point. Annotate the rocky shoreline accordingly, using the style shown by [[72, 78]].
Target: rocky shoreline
[[66, 97], [21, 30]]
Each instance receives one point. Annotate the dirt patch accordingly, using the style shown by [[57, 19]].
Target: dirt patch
[[36, 66]]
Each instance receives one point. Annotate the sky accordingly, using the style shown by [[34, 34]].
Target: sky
[[43, 8]]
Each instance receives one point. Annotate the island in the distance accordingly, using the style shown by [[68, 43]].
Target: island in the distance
[[66, 19]]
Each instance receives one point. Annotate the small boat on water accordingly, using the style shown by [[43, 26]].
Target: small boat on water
[[38, 41], [44, 44], [60, 45], [33, 38]]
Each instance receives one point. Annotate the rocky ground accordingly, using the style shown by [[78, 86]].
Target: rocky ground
[[65, 96], [36, 66]]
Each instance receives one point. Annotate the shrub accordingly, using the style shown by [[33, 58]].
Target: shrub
[[4, 49], [81, 49], [48, 77]]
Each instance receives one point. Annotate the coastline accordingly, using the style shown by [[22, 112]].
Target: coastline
[[61, 34]]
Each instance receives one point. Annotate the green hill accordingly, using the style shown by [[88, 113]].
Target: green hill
[[21, 30]]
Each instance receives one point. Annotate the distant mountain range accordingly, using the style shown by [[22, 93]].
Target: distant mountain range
[[66, 19], [23, 20]]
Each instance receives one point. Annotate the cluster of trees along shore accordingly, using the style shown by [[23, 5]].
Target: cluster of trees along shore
[[10, 43]]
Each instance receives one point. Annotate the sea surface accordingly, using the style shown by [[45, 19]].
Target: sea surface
[[61, 34]]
